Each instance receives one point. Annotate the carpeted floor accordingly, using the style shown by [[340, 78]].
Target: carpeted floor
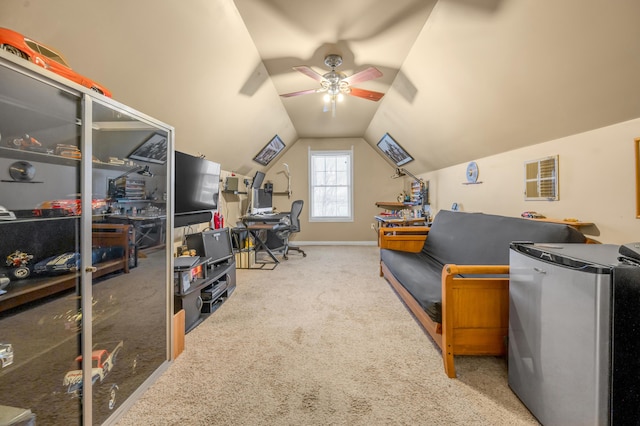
[[322, 340]]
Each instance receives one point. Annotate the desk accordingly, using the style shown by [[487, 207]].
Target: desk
[[257, 223], [264, 218], [145, 226], [392, 205], [393, 220]]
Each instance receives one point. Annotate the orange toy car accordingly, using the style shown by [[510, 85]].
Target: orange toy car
[[47, 58], [68, 207]]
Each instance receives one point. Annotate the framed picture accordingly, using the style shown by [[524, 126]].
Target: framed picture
[[394, 151], [270, 151], [153, 150]]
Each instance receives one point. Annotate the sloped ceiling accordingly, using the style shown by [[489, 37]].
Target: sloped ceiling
[[462, 79], [529, 72], [364, 33]]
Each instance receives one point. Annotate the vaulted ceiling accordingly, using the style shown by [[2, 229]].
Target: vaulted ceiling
[[462, 79], [364, 33]]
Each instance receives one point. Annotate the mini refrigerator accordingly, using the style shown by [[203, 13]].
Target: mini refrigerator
[[574, 333]]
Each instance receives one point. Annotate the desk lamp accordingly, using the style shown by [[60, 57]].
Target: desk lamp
[[401, 171]]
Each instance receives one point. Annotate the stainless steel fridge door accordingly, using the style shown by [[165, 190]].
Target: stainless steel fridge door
[[559, 341]]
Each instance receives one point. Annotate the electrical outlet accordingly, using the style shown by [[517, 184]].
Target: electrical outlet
[[373, 226]]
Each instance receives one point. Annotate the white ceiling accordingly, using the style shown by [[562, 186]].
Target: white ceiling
[[364, 33], [463, 79]]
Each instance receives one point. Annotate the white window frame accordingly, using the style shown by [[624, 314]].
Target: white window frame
[[317, 218]]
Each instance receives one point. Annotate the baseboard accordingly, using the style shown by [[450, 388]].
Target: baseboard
[[334, 243]]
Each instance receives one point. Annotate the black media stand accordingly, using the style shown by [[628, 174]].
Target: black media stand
[[209, 285]]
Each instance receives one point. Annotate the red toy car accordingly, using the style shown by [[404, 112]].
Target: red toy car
[[39, 54], [68, 207]]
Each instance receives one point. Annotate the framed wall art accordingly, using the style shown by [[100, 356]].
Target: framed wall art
[[393, 150], [153, 150], [270, 151]]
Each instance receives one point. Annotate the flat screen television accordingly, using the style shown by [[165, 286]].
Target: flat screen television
[[261, 201], [197, 183]]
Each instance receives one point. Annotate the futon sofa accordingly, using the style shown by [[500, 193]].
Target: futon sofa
[[454, 276]]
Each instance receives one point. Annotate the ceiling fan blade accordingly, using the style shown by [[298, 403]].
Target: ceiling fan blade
[[364, 75], [304, 69], [366, 94], [301, 92]]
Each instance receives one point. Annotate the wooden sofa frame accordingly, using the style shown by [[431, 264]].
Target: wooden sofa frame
[[105, 235], [475, 311]]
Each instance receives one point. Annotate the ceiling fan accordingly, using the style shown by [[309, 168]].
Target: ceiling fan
[[336, 84]]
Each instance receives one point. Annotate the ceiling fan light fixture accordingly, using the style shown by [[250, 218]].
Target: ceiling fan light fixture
[[336, 84], [333, 61]]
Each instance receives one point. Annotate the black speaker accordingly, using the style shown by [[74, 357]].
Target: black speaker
[[188, 219], [214, 244]]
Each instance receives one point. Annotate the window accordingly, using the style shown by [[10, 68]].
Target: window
[[46, 52], [330, 186], [541, 179]]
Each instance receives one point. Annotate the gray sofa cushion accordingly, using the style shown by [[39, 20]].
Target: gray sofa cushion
[[483, 239], [466, 239], [420, 274]]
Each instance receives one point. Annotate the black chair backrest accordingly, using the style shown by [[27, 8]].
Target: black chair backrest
[[296, 209]]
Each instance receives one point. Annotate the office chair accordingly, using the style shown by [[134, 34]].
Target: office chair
[[284, 230]]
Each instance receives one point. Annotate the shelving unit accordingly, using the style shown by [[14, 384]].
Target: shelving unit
[[419, 193], [205, 294], [87, 293]]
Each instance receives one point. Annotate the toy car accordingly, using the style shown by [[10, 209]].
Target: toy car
[[6, 354], [61, 263], [6, 214], [102, 363], [19, 261], [46, 57], [532, 215], [70, 261], [67, 207]]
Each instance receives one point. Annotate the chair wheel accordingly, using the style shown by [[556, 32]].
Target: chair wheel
[[304, 254], [284, 256]]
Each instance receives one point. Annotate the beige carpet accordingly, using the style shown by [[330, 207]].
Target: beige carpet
[[322, 340]]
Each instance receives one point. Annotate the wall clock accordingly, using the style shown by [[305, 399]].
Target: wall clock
[[472, 172]]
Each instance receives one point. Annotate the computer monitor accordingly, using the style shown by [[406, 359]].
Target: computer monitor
[[258, 178], [261, 201]]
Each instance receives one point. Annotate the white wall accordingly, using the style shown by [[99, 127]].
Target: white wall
[[371, 179], [597, 182]]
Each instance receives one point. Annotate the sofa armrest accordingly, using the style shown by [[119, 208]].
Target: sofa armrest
[[453, 270], [475, 311], [403, 238]]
